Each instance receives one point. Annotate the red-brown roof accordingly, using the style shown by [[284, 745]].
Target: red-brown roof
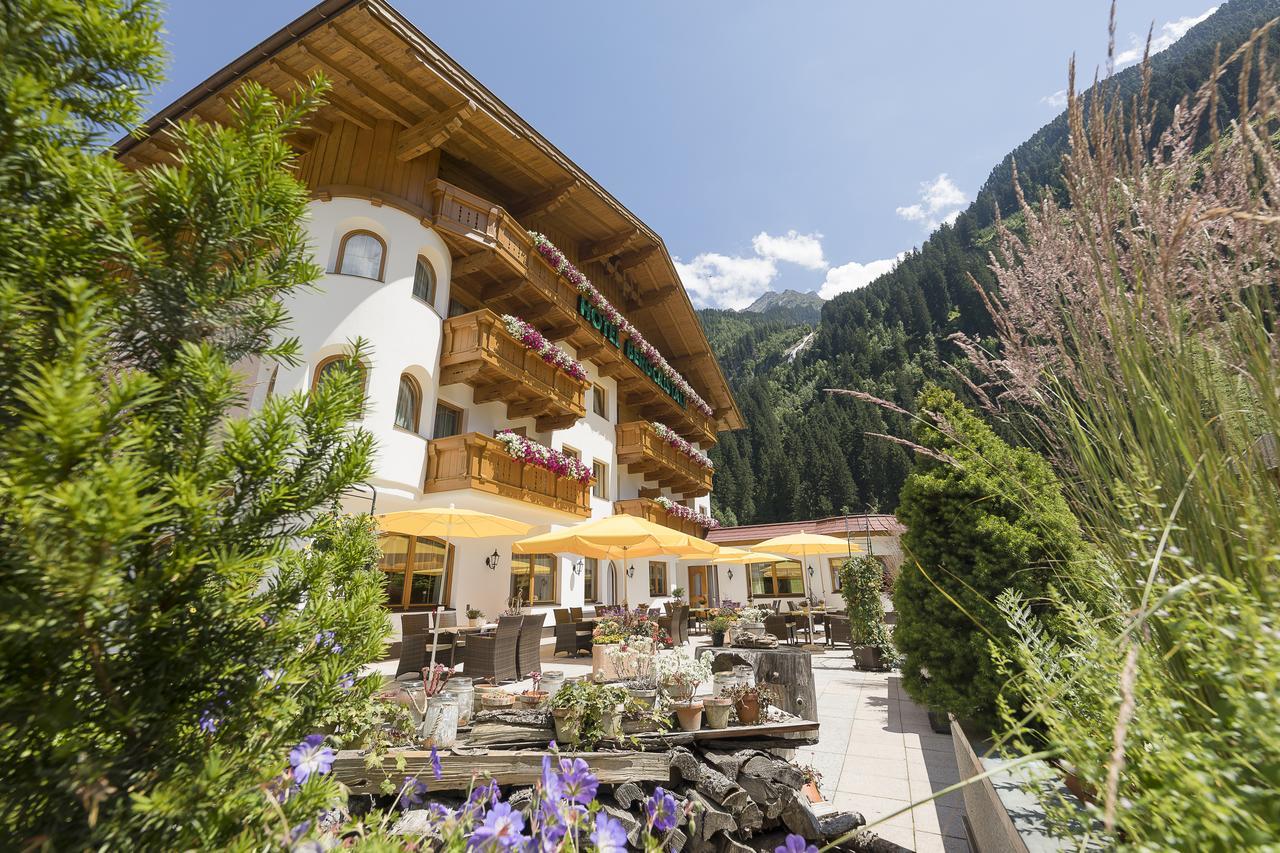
[[858, 525]]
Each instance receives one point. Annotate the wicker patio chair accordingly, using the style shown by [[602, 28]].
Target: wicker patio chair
[[777, 626], [529, 647], [413, 654], [493, 656], [838, 631], [562, 615], [573, 638], [575, 614]]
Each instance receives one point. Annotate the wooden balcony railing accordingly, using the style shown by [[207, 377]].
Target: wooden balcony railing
[[651, 510], [499, 267], [479, 351], [643, 451], [477, 461]]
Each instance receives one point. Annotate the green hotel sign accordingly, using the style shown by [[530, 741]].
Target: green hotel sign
[[633, 353]]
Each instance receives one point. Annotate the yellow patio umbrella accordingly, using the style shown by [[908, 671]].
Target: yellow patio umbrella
[[447, 524], [633, 536], [801, 545], [739, 557]]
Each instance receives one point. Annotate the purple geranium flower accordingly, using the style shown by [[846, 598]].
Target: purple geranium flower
[[501, 829], [208, 722], [609, 835], [412, 793], [795, 844], [662, 811], [311, 757], [482, 797], [435, 764], [577, 783]]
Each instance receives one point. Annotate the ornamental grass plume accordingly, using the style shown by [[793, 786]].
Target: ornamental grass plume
[[1137, 344]]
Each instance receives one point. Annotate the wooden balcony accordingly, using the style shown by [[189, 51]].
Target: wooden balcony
[[651, 510], [477, 461], [643, 451], [479, 351], [495, 266]]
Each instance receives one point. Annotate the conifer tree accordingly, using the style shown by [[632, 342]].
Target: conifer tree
[[180, 602]]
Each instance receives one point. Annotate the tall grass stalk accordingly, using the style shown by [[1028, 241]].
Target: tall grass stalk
[[1138, 340]]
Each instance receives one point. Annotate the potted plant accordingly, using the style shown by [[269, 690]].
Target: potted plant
[[812, 781], [679, 674], [496, 700], [677, 592], [533, 699], [751, 621], [584, 711], [750, 703], [606, 637], [861, 580], [718, 625], [474, 615], [717, 709]]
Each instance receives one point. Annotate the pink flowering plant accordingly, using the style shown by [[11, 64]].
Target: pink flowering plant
[[687, 513], [550, 353], [532, 453], [670, 436], [561, 264]]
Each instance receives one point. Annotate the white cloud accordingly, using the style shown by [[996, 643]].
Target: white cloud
[[1168, 33], [1057, 100], [721, 281], [854, 275], [940, 201], [727, 281], [792, 247]]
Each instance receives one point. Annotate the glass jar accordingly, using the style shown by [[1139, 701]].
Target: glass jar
[[746, 675], [552, 681], [721, 682], [440, 723], [412, 694], [461, 690]]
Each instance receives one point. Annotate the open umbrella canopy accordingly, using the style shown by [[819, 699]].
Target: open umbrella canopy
[[449, 522], [739, 557], [617, 534], [804, 544]]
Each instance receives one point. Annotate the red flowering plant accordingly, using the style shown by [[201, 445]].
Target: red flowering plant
[[687, 513], [533, 453], [670, 436], [550, 353]]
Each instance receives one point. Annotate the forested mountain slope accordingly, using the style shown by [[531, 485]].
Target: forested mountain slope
[[806, 454]]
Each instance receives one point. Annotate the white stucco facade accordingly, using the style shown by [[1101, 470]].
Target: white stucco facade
[[403, 335]]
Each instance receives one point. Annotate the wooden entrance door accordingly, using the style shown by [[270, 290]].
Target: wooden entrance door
[[698, 586]]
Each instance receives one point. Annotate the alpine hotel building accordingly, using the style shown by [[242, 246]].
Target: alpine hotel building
[[457, 240]]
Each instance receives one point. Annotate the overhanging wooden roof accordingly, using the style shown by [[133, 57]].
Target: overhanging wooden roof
[[389, 77]]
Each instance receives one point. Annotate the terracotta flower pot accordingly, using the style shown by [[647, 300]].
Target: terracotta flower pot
[[497, 701], [748, 709], [717, 709], [811, 791], [532, 699], [690, 715], [602, 668]]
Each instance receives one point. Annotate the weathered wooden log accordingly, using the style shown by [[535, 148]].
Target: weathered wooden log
[[709, 818], [788, 672], [509, 767], [799, 818], [684, 763], [496, 733], [726, 843], [628, 794], [628, 820], [867, 841], [768, 796], [833, 822], [776, 770], [750, 819]]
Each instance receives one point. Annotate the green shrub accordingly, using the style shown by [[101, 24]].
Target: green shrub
[[981, 517], [861, 582], [180, 604]]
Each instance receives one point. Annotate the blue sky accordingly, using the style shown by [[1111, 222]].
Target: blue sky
[[771, 144]]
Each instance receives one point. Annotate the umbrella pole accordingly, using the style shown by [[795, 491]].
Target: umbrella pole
[[804, 573], [435, 612]]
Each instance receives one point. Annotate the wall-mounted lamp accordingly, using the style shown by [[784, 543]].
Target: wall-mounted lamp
[[631, 571], [811, 570], [579, 566], [730, 574], [492, 561]]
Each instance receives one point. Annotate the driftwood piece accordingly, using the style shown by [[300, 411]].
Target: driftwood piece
[[776, 770], [787, 671], [510, 767], [867, 841], [496, 733]]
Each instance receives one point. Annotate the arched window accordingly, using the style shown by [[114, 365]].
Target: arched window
[[424, 281], [408, 404], [331, 363], [362, 253]]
